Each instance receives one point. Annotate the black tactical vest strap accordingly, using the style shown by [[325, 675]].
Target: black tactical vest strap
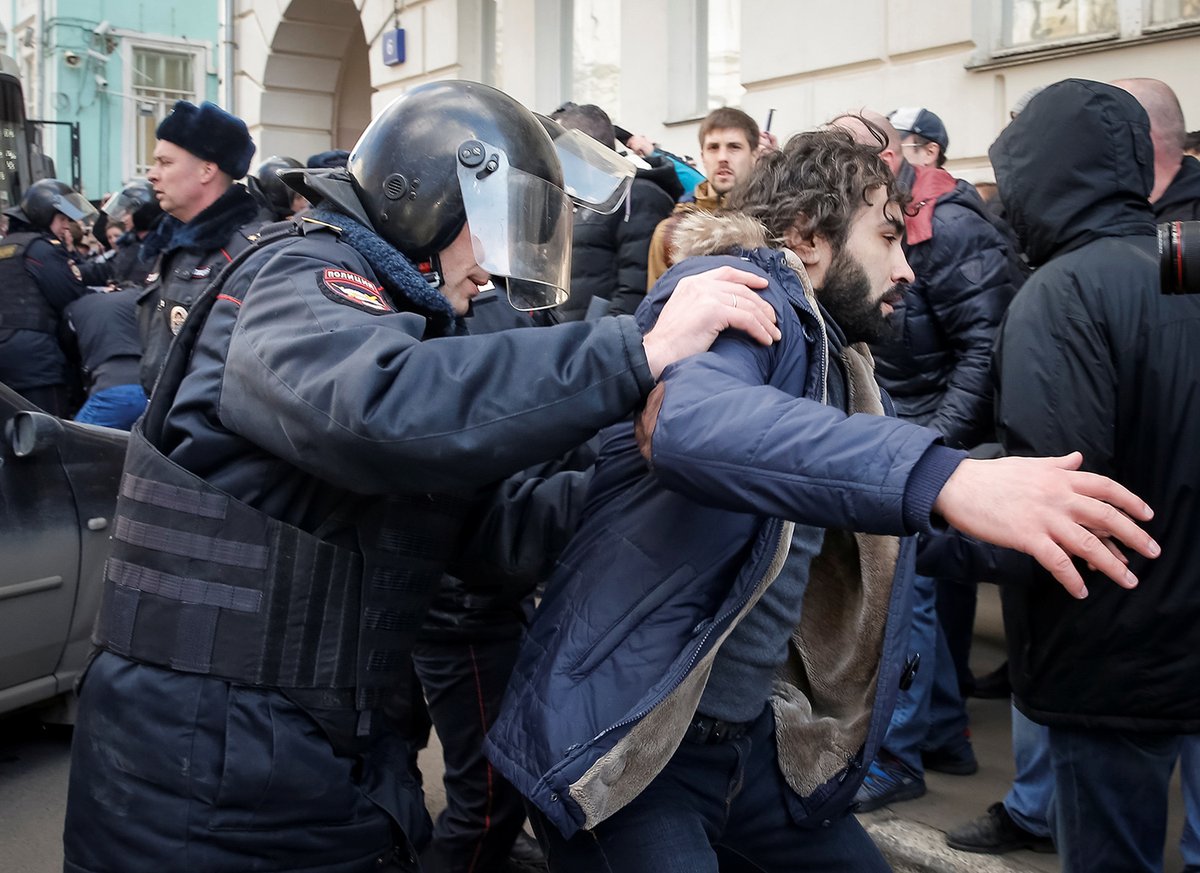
[[22, 305], [201, 582]]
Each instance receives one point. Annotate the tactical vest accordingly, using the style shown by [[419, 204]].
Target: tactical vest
[[200, 582], [22, 304]]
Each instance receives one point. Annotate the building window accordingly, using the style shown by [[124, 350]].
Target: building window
[[1174, 11], [1016, 28], [160, 78], [596, 54], [724, 53], [704, 57], [1029, 22]]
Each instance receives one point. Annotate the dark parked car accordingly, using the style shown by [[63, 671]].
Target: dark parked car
[[58, 490]]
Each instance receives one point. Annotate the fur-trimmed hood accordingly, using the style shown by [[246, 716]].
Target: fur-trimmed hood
[[704, 233]]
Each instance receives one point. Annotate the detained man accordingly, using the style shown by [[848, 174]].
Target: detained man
[[714, 663]]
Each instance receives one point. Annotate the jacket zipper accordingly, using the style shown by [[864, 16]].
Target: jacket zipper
[[780, 552]]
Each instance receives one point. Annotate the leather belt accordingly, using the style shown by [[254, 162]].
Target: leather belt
[[706, 731]]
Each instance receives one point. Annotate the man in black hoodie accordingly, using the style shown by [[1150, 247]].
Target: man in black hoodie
[[609, 252], [200, 152], [1093, 355]]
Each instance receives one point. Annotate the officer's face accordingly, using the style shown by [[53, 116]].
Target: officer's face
[[180, 180], [461, 275]]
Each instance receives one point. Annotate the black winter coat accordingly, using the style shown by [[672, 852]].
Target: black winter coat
[[1093, 357], [1181, 200], [188, 257], [937, 367], [609, 252]]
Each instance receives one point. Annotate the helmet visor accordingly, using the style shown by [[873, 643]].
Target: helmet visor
[[520, 229], [75, 207], [123, 203], [595, 176]]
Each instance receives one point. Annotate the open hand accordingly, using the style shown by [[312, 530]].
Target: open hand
[[1049, 509]]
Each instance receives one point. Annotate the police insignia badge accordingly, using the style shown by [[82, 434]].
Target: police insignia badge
[[202, 272], [177, 316], [7, 252], [351, 289], [75, 271]]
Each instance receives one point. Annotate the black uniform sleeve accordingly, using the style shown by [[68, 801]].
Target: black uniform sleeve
[[51, 269], [357, 398]]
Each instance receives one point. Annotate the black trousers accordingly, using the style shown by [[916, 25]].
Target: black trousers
[[464, 683]]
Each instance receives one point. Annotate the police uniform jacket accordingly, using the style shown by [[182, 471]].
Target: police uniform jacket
[[313, 390], [188, 258], [36, 270]]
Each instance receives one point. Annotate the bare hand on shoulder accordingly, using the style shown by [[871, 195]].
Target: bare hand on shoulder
[[1049, 509], [702, 306]]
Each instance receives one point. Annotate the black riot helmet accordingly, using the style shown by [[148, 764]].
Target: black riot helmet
[[49, 196], [129, 200], [273, 191], [451, 153]]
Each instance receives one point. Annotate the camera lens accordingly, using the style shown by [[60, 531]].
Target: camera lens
[[1179, 257]]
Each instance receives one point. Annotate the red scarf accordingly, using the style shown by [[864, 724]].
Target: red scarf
[[929, 184]]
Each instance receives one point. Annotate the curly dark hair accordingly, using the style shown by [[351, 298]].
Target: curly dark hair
[[816, 184]]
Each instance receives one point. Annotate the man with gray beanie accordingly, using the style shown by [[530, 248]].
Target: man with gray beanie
[[201, 150]]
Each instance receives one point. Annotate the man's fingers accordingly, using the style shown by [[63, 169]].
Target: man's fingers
[[1058, 563], [1100, 516], [1082, 543], [732, 274], [1105, 489]]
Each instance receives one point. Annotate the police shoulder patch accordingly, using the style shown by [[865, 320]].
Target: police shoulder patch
[[351, 289]]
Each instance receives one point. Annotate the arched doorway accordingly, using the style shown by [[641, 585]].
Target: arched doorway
[[314, 91]]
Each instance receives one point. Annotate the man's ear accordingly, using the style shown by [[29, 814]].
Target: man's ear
[[805, 246]]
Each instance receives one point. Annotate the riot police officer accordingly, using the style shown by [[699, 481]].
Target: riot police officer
[[134, 208], [38, 280], [292, 493], [266, 184]]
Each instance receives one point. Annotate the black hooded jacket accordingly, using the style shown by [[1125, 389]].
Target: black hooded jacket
[[609, 252], [1093, 357], [1181, 200]]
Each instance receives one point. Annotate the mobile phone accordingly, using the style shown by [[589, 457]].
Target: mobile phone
[[770, 116]]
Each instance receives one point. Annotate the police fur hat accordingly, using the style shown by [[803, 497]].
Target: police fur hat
[[329, 160], [211, 134]]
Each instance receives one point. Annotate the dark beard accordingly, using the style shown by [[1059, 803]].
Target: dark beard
[[846, 295]]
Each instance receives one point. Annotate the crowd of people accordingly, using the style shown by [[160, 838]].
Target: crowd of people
[[673, 538]]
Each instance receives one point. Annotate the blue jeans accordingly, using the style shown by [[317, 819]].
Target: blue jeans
[[1028, 801], [931, 713], [714, 807], [1110, 798], [119, 407]]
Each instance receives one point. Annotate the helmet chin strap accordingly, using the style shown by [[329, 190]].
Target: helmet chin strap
[[431, 271]]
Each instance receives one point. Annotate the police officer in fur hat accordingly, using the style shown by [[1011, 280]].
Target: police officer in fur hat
[[201, 150], [296, 486]]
